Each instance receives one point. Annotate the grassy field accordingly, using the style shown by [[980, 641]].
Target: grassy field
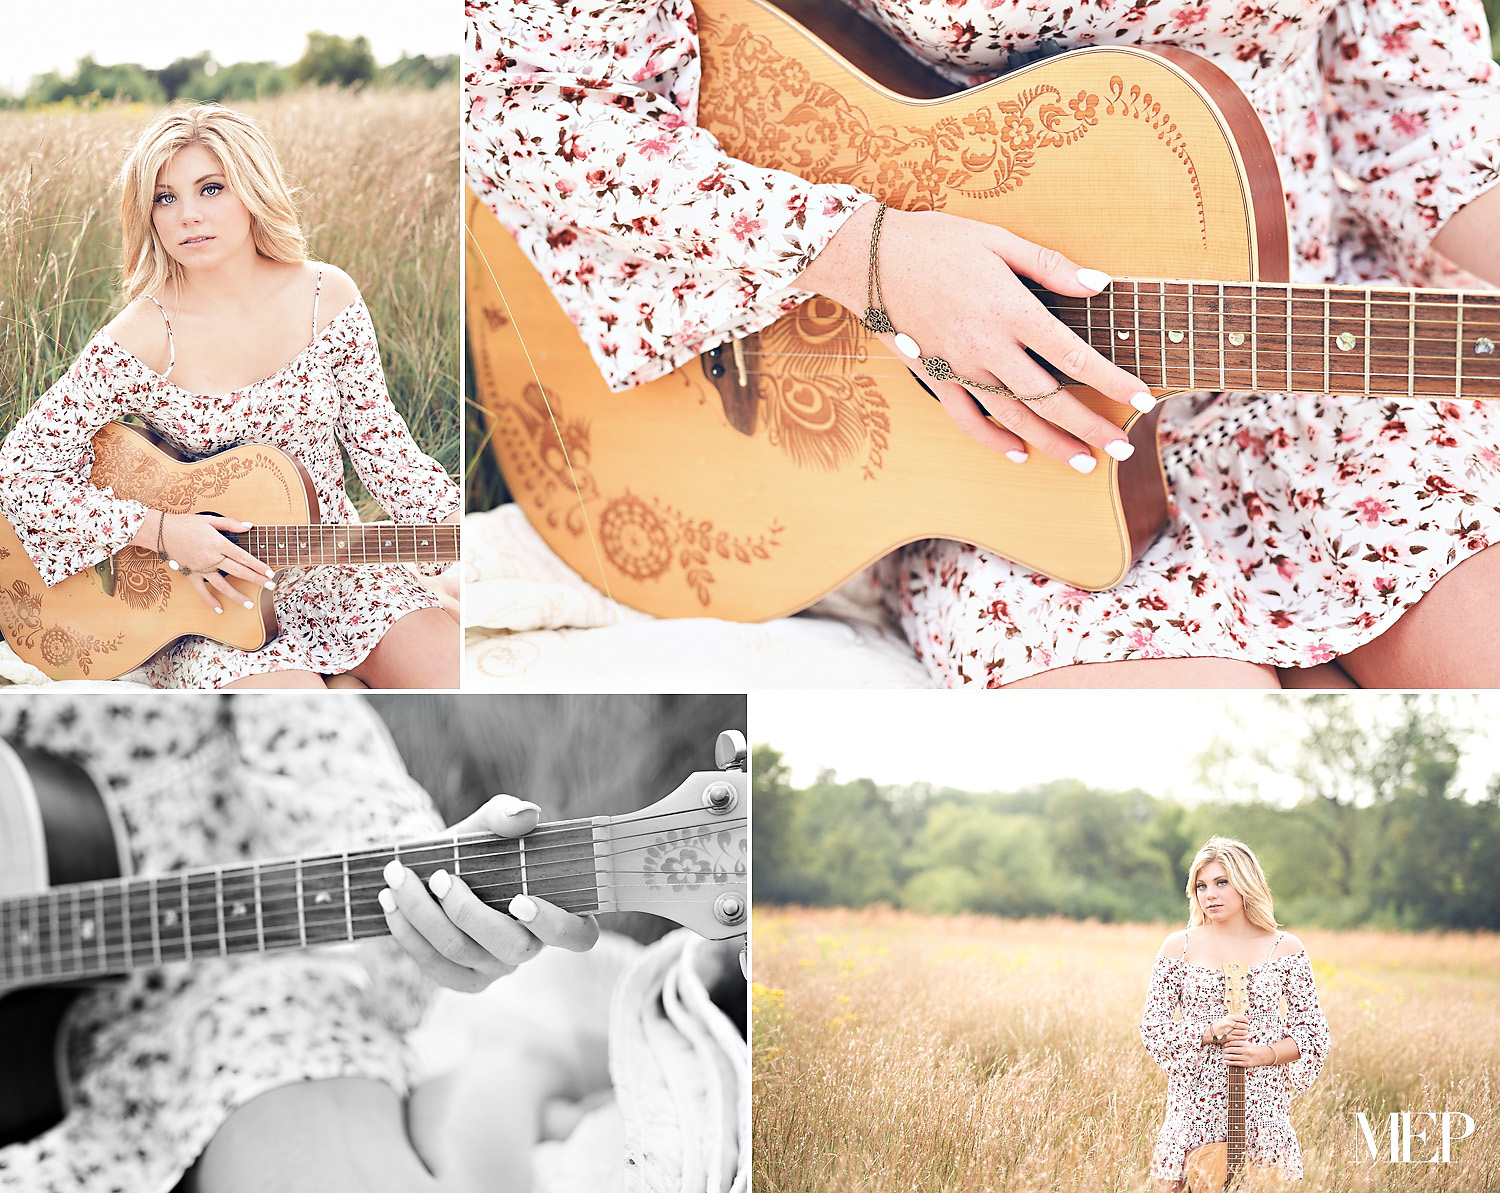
[[894, 1051], [379, 174]]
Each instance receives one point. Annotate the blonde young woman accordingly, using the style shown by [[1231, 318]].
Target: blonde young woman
[[231, 334], [1230, 918]]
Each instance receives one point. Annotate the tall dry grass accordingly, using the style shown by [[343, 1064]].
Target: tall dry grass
[[379, 173], [894, 1051]]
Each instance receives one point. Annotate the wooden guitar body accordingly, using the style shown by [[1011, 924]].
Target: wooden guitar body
[[815, 451], [54, 829], [106, 621], [1208, 1168]]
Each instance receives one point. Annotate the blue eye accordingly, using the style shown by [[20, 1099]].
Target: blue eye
[[213, 188], [163, 199]]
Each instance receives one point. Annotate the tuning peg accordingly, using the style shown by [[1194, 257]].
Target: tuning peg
[[729, 750]]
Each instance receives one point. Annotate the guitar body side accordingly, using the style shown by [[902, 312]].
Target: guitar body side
[[1124, 159], [64, 834], [79, 629]]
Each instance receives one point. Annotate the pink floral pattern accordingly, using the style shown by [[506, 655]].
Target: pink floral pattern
[[333, 392], [1183, 1000], [1301, 527]]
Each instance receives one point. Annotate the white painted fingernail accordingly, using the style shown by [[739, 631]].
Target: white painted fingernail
[[270, 584], [1094, 279], [1016, 455], [1143, 402], [248, 525], [217, 609], [387, 901], [1083, 462], [511, 806], [395, 874], [440, 883], [249, 604], [1120, 449], [523, 907]]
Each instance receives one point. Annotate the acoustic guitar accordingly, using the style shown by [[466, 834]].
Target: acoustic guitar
[[70, 915], [1213, 1166], [754, 480], [103, 622]]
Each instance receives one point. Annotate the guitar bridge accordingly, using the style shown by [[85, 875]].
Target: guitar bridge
[[105, 570], [727, 371]]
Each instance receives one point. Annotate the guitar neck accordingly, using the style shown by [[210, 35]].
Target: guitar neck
[[1235, 1132], [376, 542], [651, 861], [1270, 336]]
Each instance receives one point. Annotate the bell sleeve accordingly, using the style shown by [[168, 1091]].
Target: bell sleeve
[[1175, 1044], [324, 775], [1415, 115], [581, 134], [64, 523], [1305, 1024], [409, 484]]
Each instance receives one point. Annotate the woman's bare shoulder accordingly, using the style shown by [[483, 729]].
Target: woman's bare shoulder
[[1172, 946], [1289, 945], [141, 331], [338, 291]]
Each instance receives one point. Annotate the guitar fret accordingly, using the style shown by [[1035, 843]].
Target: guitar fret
[[260, 923], [126, 928], [1222, 384], [1411, 346], [1367, 339], [1136, 326], [1254, 339], [301, 908], [1327, 335], [155, 930], [1290, 388], [1162, 345], [187, 922], [348, 902], [1458, 344], [1192, 340], [103, 929], [219, 908], [77, 936]]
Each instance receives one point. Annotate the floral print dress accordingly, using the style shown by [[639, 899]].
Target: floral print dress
[[1184, 999], [1301, 527], [158, 1063], [333, 392]]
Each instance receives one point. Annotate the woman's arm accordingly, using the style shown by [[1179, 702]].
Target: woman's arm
[[1471, 238]]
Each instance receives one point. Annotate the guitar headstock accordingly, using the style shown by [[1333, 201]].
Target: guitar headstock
[[1236, 987], [687, 856]]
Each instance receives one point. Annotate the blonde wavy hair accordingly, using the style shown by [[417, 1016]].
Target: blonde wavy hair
[[1245, 875], [251, 168]]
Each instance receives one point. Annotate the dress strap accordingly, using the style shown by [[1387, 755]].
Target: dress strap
[[1185, 932], [1275, 945], [171, 344], [317, 293]]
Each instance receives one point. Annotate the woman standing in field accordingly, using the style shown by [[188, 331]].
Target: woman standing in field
[[1302, 530], [232, 335], [1230, 918]]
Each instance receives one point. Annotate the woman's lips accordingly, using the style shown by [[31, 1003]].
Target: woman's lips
[[191, 240]]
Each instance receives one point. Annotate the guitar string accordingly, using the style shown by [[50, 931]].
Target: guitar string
[[552, 416], [269, 872]]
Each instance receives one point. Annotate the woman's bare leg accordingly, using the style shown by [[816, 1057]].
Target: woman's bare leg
[[419, 651], [347, 1135], [346, 682], [280, 679], [1448, 639], [1323, 676], [1156, 673]]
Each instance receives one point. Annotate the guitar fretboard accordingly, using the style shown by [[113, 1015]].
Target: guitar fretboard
[[94, 929], [374, 542], [1267, 336]]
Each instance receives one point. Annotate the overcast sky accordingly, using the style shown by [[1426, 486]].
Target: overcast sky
[[47, 36], [1000, 741]]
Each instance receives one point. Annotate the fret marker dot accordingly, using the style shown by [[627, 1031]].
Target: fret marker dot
[[25, 938], [238, 909], [1345, 341], [86, 929], [341, 543], [1124, 335], [1236, 338], [169, 918], [1484, 346], [322, 897], [1175, 336]]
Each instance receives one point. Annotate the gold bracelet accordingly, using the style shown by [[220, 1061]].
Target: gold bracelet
[[878, 321]]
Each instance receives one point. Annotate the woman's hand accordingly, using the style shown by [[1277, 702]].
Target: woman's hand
[[1231, 1027], [195, 547], [445, 587], [458, 940], [950, 283], [1247, 1055]]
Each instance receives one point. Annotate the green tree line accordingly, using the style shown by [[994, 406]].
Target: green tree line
[[328, 60], [1378, 837]]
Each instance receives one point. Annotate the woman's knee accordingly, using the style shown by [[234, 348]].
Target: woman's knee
[[280, 679]]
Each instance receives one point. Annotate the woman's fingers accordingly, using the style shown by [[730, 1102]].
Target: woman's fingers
[[433, 963], [971, 419], [552, 925], [502, 814], [499, 935], [421, 910]]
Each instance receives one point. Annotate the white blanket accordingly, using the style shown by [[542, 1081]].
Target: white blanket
[[534, 623]]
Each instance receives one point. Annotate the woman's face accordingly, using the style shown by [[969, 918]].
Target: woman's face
[[1218, 900], [199, 219]]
